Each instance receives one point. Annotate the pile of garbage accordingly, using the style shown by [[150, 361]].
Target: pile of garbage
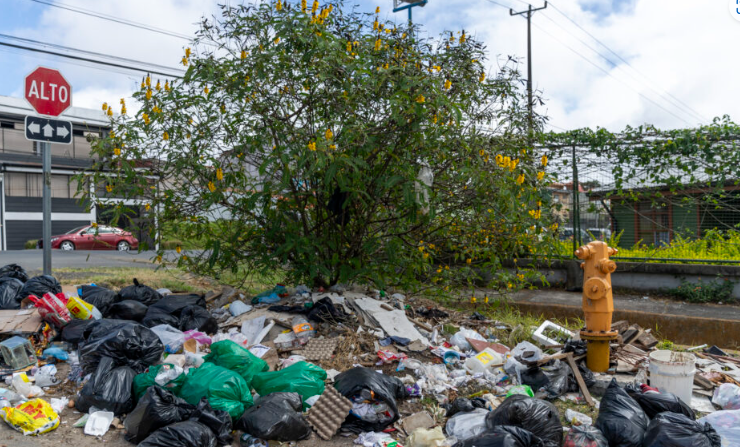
[[290, 364]]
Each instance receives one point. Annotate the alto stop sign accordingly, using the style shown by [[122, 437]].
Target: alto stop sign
[[48, 92]]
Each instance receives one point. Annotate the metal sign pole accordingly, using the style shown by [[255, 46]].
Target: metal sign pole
[[46, 233]]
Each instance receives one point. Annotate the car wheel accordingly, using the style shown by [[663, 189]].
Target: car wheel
[[123, 246], [67, 246]]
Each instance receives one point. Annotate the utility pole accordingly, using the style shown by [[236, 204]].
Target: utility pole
[[528, 15], [46, 206]]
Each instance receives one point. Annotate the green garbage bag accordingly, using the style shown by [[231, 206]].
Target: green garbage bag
[[231, 356], [303, 378], [146, 379], [225, 389]]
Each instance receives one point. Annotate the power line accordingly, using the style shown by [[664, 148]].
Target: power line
[[88, 52], [90, 13], [610, 75], [690, 112], [90, 60], [600, 68], [622, 59]]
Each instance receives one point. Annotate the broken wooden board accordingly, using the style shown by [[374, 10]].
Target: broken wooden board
[[579, 379], [24, 322]]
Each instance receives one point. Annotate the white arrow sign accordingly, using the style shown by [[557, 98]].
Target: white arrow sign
[[48, 130], [34, 127], [62, 131]]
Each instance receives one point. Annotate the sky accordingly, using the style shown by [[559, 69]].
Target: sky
[[606, 63]]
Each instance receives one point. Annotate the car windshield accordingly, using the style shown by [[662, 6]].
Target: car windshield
[[75, 230]]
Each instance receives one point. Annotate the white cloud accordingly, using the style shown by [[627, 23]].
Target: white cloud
[[685, 47]]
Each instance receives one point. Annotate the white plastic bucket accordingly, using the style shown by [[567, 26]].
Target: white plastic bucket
[[673, 372]]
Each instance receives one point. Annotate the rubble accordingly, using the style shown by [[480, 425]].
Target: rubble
[[297, 364]]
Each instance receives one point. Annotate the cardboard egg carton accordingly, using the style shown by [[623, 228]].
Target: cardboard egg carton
[[328, 413]]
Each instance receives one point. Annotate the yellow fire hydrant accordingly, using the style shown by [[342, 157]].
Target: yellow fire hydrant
[[598, 304]]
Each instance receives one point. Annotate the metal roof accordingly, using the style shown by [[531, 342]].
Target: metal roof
[[77, 115]]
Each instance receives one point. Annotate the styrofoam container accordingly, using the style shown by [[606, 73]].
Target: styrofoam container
[[486, 360], [673, 372]]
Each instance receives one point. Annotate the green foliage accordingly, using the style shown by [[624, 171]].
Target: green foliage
[[713, 245], [31, 244], [340, 148], [716, 291]]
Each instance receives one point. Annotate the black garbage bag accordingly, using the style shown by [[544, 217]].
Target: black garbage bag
[[462, 405], [127, 310], [621, 419], [577, 347], [157, 408], [325, 311], [199, 319], [654, 403], [219, 421], [100, 297], [109, 389], [587, 375], [385, 388], [128, 342], [535, 378], [561, 381], [10, 293], [535, 415], [503, 436], [677, 430], [276, 417], [169, 309], [74, 331], [14, 271], [139, 292], [181, 434], [39, 285]]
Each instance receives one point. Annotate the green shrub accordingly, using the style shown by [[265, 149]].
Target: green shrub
[[716, 291], [30, 245], [171, 244]]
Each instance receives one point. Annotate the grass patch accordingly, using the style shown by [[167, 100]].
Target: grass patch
[[117, 277]]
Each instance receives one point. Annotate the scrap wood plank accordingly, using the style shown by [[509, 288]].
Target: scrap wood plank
[[579, 379]]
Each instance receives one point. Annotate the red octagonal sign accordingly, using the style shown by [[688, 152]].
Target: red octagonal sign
[[48, 92]]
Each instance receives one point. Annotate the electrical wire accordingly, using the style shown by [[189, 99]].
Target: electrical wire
[[690, 112], [598, 67], [622, 59], [85, 59], [90, 13], [609, 74], [91, 53]]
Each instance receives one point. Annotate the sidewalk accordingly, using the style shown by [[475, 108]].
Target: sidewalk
[[684, 323]]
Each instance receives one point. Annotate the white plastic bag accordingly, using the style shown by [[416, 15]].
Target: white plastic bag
[[727, 396], [727, 424], [172, 338], [467, 425], [576, 418], [167, 374], [58, 405], [459, 339], [24, 387], [527, 351], [46, 376]]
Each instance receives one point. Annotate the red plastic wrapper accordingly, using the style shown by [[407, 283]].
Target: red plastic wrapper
[[53, 308]]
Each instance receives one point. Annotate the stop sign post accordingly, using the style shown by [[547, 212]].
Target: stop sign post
[[50, 95]]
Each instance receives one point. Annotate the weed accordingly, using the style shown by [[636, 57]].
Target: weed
[[715, 291], [30, 245], [117, 277]]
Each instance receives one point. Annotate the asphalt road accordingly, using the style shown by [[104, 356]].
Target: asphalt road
[[32, 260]]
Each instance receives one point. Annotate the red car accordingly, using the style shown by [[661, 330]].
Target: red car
[[91, 238]]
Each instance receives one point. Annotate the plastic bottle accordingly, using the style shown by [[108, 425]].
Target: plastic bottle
[[302, 329]]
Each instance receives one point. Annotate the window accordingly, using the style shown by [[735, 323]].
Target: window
[[23, 184], [654, 223]]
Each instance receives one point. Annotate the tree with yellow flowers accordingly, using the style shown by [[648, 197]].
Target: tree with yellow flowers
[[335, 147]]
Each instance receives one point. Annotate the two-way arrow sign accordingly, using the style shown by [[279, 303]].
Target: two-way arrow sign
[[48, 130]]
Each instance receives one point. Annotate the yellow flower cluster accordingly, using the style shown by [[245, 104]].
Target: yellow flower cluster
[[462, 38], [312, 146], [244, 54], [378, 44], [507, 162], [165, 136], [117, 151], [167, 86], [206, 90], [329, 134], [540, 175], [420, 99], [482, 77], [535, 213], [211, 186], [448, 84], [520, 179], [220, 174], [544, 160], [148, 94], [158, 86], [279, 5], [145, 117], [303, 5]]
